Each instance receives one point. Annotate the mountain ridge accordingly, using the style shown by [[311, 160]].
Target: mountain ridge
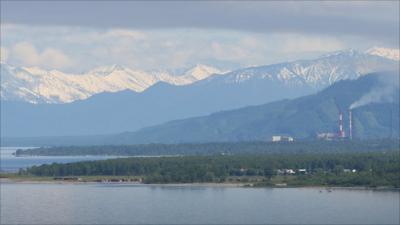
[[302, 118], [317, 73], [114, 112], [393, 54], [35, 85]]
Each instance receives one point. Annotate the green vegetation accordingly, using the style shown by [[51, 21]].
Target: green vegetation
[[301, 117], [331, 169], [222, 148], [29, 177]]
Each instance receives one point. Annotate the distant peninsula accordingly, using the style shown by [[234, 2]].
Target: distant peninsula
[[360, 169], [219, 148]]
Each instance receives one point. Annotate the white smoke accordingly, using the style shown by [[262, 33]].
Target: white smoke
[[374, 96], [384, 92]]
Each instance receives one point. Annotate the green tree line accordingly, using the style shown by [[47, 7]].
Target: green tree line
[[220, 148], [372, 168]]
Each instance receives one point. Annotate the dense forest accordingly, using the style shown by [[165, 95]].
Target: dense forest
[[221, 148], [334, 169]]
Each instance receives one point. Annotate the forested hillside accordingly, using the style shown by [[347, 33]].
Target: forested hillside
[[343, 169], [339, 146], [302, 118]]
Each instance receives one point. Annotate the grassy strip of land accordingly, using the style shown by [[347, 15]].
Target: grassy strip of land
[[15, 177], [238, 181], [338, 146], [310, 169]]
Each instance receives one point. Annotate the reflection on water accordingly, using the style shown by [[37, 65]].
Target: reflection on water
[[23, 203], [144, 204], [11, 163]]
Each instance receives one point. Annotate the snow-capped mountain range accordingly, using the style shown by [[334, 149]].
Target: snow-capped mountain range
[[320, 72], [167, 97], [36, 85], [393, 54]]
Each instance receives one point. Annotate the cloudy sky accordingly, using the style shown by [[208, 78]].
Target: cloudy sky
[[75, 36]]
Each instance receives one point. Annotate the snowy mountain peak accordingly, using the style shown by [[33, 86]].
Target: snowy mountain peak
[[389, 53], [201, 72], [34, 70], [346, 52], [315, 73], [36, 85], [106, 70]]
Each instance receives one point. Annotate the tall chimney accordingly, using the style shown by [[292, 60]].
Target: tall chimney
[[341, 131], [350, 125]]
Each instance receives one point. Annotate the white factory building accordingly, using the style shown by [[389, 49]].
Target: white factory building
[[277, 138]]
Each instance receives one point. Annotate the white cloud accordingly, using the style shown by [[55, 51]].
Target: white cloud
[[50, 58], [61, 47], [179, 59], [3, 54], [125, 33], [244, 50], [55, 58], [26, 53], [232, 52], [295, 43], [78, 35]]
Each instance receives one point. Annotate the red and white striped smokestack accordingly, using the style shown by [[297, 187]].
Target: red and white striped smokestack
[[350, 125], [341, 131]]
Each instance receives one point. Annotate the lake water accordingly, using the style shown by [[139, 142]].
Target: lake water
[[28, 203], [11, 163], [146, 204]]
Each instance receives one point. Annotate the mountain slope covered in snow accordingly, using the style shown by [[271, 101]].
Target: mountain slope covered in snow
[[113, 112], [35, 85], [393, 54], [301, 118], [316, 73]]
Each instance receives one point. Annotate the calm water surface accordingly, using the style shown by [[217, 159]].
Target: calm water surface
[[23, 203], [11, 163], [143, 204]]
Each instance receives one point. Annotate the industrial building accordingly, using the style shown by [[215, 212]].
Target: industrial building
[[341, 134], [282, 139]]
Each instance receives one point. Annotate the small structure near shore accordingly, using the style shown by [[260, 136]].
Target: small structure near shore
[[286, 172], [302, 171], [67, 178], [349, 170], [327, 136], [277, 138]]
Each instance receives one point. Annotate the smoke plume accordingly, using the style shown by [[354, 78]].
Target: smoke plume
[[384, 92]]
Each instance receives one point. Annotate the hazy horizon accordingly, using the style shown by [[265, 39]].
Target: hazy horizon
[[75, 36]]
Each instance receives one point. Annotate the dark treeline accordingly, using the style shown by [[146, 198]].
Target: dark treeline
[[221, 148], [372, 169]]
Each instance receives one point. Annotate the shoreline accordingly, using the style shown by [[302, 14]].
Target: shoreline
[[33, 181], [196, 184]]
